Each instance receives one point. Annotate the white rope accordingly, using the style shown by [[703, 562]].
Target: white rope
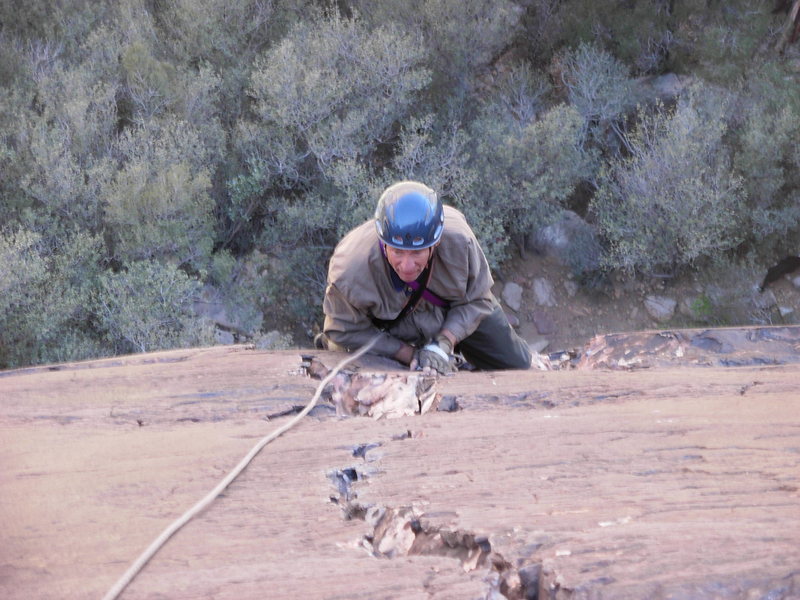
[[137, 566]]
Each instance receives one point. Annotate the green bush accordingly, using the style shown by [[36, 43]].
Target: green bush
[[149, 306], [337, 87], [51, 28], [225, 38], [44, 294], [639, 33], [676, 199], [767, 157], [528, 174], [523, 92], [158, 205], [61, 143], [462, 36], [719, 43], [543, 28], [434, 149], [149, 147], [21, 268], [768, 161], [598, 86]]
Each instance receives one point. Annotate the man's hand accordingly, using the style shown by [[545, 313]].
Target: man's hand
[[436, 356]]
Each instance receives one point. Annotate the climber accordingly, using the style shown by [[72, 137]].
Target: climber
[[417, 273]]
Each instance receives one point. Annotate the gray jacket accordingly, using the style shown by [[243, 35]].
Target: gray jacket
[[360, 287]]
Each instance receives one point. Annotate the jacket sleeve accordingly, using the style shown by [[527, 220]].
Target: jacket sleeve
[[351, 328], [477, 301]]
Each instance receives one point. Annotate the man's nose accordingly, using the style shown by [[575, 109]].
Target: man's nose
[[407, 263]]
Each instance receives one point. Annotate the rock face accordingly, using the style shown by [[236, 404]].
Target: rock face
[[678, 480], [660, 307], [723, 346]]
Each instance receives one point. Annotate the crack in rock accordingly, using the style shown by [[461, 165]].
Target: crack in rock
[[375, 394], [404, 531]]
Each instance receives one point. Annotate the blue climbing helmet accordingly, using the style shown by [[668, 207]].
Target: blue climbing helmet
[[409, 216]]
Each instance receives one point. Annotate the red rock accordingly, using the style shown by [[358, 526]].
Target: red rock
[[663, 482]]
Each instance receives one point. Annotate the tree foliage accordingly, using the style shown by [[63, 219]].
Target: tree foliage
[[534, 170], [148, 306], [337, 87], [152, 150], [676, 198]]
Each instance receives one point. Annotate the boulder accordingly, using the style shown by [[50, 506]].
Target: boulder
[[571, 288], [512, 295], [538, 345], [543, 292], [559, 239], [660, 308], [545, 324], [223, 337]]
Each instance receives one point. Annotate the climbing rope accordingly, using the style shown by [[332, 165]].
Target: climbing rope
[[140, 562]]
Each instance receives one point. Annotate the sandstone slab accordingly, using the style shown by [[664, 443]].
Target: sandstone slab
[[668, 482]]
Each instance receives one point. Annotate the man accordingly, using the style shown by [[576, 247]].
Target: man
[[417, 274]]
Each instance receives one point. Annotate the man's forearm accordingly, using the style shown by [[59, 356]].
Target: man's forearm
[[405, 354], [450, 336]]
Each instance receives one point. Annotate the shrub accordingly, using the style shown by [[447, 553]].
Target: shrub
[[21, 267], [768, 163], [148, 306], [524, 177], [543, 26], [217, 32], [523, 92], [65, 190], [676, 199], [61, 139], [51, 27], [240, 286], [303, 234], [463, 36], [327, 95], [156, 89], [598, 86], [718, 43], [433, 149], [767, 157], [44, 292], [638, 33], [336, 87], [158, 205]]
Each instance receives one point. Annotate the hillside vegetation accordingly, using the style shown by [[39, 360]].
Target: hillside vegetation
[[156, 152]]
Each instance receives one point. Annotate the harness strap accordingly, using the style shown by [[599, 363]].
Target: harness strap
[[419, 290], [385, 325], [430, 296]]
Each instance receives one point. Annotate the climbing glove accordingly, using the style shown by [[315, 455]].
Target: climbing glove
[[437, 355]]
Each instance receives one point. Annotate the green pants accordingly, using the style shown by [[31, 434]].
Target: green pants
[[495, 345]]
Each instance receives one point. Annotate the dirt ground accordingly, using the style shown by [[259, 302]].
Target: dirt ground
[[618, 305], [673, 478]]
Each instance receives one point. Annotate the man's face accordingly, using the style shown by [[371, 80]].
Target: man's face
[[408, 264]]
